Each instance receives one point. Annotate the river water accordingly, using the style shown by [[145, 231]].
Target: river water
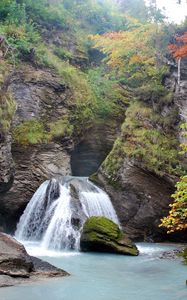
[[107, 277]]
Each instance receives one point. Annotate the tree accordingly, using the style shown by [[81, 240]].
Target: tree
[[132, 54], [155, 14], [177, 218], [179, 51], [134, 8]]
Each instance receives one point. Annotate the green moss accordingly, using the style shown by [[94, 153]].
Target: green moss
[[7, 109], [108, 94], [148, 138], [61, 128], [94, 178], [98, 225], [34, 132], [103, 235], [83, 100], [63, 53], [153, 92], [113, 163], [30, 132]]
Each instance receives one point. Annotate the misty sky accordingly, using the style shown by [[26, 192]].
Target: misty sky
[[175, 12]]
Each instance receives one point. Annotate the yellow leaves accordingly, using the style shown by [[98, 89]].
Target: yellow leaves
[[177, 218], [127, 48], [135, 59]]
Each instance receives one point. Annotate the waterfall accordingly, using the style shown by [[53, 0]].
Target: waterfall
[[57, 211]]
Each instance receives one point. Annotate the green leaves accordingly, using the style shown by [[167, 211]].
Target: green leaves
[[177, 218], [133, 53]]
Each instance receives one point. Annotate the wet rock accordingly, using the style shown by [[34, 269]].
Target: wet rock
[[14, 260], [52, 192], [171, 254], [183, 254], [7, 281], [16, 266], [103, 235], [45, 269], [78, 216]]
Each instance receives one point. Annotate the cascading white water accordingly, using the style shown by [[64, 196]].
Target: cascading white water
[[57, 211], [97, 203], [60, 233]]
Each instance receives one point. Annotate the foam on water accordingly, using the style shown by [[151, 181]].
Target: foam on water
[[35, 249]]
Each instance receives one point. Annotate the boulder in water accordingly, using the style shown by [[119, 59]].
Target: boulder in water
[[17, 266], [103, 235], [14, 260]]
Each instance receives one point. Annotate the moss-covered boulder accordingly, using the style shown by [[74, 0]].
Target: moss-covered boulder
[[103, 235]]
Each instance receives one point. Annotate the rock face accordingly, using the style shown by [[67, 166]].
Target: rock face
[[88, 155], [33, 165], [6, 164], [16, 265], [41, 95], [140, 200], [102, 235], [38, 94]]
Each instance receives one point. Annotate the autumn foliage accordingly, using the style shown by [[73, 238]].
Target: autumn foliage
[[179, 50], [132, 54], [125, 48], [177, 218]]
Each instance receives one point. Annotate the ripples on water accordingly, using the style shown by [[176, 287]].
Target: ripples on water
[[107, 277]]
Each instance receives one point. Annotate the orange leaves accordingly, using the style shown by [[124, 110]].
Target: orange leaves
[[182, 38], [179, 51], [127, 48], [114, 35]]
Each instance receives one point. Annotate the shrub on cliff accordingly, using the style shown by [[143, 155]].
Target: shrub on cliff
[[30, 132], [177, 218], [7, 109]]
